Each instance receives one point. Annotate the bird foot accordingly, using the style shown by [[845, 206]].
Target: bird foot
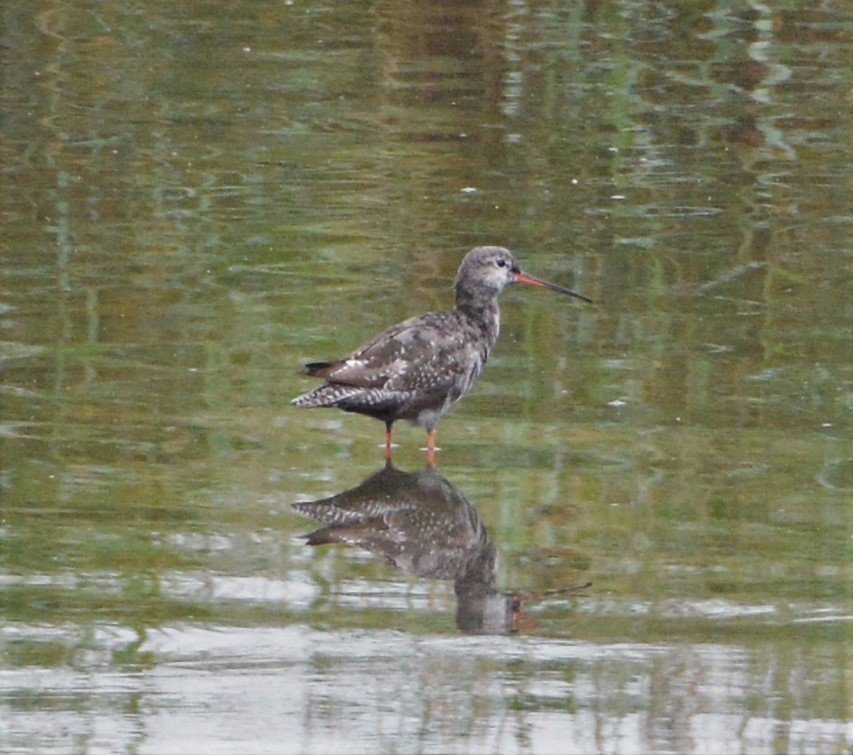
[[430, 455]]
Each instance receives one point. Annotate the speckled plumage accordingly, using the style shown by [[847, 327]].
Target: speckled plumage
[[417, 369], [417, 521]]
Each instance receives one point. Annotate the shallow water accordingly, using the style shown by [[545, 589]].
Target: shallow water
[[197, 199]]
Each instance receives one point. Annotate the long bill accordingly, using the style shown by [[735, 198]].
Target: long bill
[[531, 281]]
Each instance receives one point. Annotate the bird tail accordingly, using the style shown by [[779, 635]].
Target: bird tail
[[328, 394]]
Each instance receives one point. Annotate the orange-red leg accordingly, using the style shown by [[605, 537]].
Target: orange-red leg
[[431, 447], [387, 442]]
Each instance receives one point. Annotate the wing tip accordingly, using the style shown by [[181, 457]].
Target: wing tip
[[319, 369]]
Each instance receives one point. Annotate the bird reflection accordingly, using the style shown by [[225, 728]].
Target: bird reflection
[[421, 523]]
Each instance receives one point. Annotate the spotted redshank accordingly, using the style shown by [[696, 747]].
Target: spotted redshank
[[417, 369], [420, 522]]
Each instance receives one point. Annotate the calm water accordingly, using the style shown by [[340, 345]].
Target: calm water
[[198, 197]]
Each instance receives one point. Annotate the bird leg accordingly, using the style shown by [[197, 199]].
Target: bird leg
[[431, 447], [388, 426]]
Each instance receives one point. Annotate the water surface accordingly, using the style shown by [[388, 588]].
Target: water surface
[[196, 199]]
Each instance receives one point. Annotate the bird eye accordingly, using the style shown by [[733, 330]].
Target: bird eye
[[500, 263]]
